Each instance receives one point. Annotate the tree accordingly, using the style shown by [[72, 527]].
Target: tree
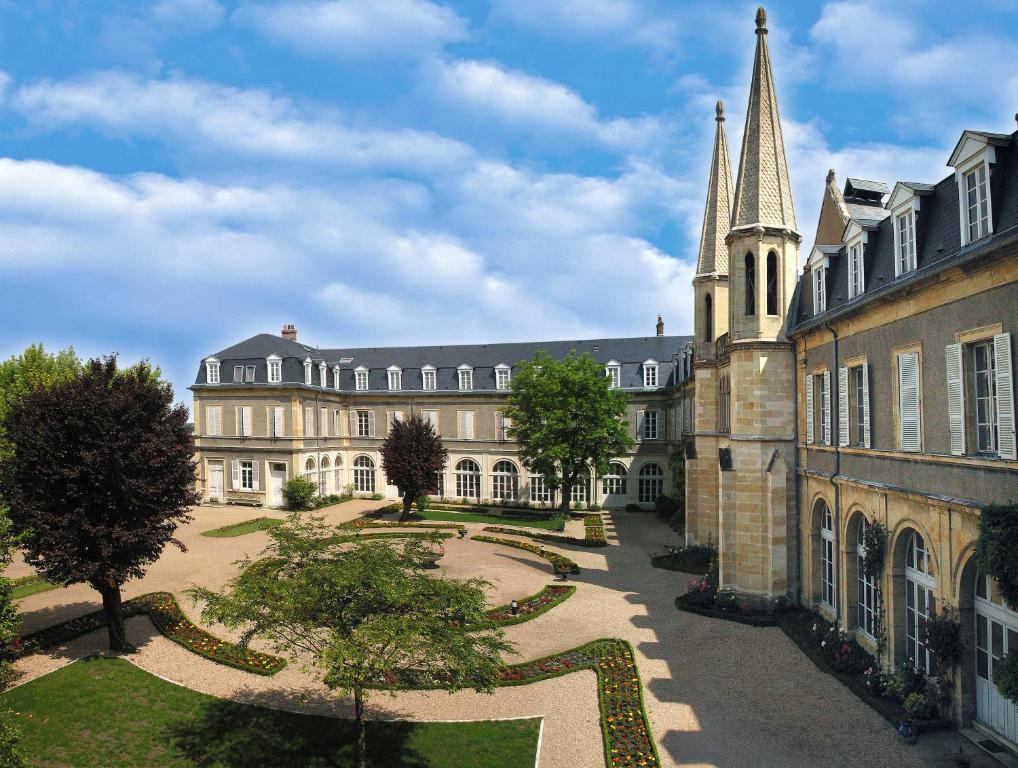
[[102, 472], [566, 417], [32, 368], [366, 614], [413, 457]]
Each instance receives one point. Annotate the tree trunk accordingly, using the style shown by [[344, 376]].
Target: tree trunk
[[114, 611], [362, 739], [408, 503]]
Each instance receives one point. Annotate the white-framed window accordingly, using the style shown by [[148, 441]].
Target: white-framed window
[[395, 379], [213, 420], [244, 419], [238, 374], [919, 600], [650, 368], [856, 270], [361, 378], [309, 421], [323, 375], [323, 476], [309, 469], [505, 481], [503, 376], [828, 563], [613, 371], [819, 288], [647, 425], [431, 417], [976, 205], [502, 425], [323, 421], [429, 378], [249, 374], [651, 483], [540, 493], [363, 423], [337, 474], [364, 475], [466, 377], [212, 371], [904, 243], [465, 425], [866, 603], [860, 406], [909, 413], [614, 483], [335, 377], [307, 372], [248, 472], [984, 421], [274, 368], [580, 492], [275, 419], [337, 422], [468, 479]]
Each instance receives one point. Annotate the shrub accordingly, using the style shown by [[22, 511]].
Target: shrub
[[631, 507], [667, 506], [919, 706], [422, 503], [300, 493], [995, 548], [702, 592], [1005, 675]]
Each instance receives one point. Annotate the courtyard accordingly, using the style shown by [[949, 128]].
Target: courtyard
[[716, 693]]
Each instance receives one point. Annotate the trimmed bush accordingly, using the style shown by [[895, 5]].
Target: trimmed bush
[[300, 493], [560, 563]]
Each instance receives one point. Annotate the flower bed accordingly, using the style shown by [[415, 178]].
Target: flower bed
[[594, 536], [593, 527], [164, 612], [560, 563], [368, 522], [531, 607]]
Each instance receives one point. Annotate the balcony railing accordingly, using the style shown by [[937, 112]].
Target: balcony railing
[[721, 346]]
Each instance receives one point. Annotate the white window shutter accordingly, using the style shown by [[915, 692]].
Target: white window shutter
[[238, 420], [662, 425], [866, 405], [248, 419], [353, 423], [1005, 396], [809, 409], [843, 406], [254, 476], [827, 408], [371, 423], [235, 474], [955, 398], [908, 401], [280, 427], [641, 418]]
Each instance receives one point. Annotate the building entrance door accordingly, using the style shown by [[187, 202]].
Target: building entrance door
[[277, 479], [996, 634], [216, 485]]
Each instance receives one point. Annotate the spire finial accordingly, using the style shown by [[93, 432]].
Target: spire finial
[[719, 108], [761, 21]]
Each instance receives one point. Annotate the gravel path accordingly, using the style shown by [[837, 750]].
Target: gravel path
[[717, 693]]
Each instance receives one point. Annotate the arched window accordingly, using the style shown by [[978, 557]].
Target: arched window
[[615, 480], [866, 607], [750, 284], [323, 476], [505, 481], [652, 483], [309, 469], [828, 563], [364, 474], [919, 586], [772, 283], [708, 318], [337, 480], [468, 479], [581, 488]]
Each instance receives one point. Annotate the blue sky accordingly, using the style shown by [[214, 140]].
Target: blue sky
[[178, 175]]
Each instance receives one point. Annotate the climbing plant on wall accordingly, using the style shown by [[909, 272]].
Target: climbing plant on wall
[[996, 547]]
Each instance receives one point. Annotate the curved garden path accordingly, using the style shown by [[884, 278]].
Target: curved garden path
[[716, 693]]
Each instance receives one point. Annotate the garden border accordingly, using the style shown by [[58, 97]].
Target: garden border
[[560, 563]]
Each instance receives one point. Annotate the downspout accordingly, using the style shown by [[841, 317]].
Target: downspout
[[798, 479], [836, 443]]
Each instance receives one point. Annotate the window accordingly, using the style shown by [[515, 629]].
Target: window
[[614, 483], [652, 483], [361, 379], [431, 417], [275, 418], [861, 412], [323, 374], [819, 288], [976, 203], [919, 600], [866, 606], [468, 479], [503, 375], [335, 377], [323, 421], [213, 420], [428, 377], [212, 371], [909, 426], [818, 419], [466, 378], [708, 318], [394, 417], [323, 476], [502, 425], [828, 565], [275, 369], [395, 379], [856, 271], [364, 475], [307, 372], [337, 422], [650, 373], [505, 481], [647, 422], [309, 422], [984, 397], [724, 405], [985, 420], [337, 474], [540, 493], [580, 492], [364, 423], [750, 284], [244, 421], [247, 476], [309, 470], [772, 283], [613, 371], [904, 238], [238, 374], [249, 374], [465, 423]]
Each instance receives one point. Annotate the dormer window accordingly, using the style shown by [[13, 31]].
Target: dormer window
[[335, 377], [211, 370], [856, 269], [503, 375], [429, 378], [650, 373], [274, 366], [466, 377], [613, 371], [307, 372], [904, 242], [820, 287], [976, 203], [323, 374], [395, 378], [972, 159], [360, 376]]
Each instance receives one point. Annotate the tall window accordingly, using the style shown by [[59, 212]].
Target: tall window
[[909, 426], [652, 483], [466, 378], [505, 481], [431, 417], [323, 374], [750, 284], [502, 377], [614, 373], [214, 420], [502, 425], [866, 607], [365, 421], [580, 492], [819, 289], [772, 283], [395, 379], [976, 205], [337, 474], [275, 368], [648, 423], [904, 230], [309, 470], [361, 379], [984, 399], [708, 318], [540, 493], [245, 420], [247, 476], [468, 479], [828, 565], [323, 476], [614, 483], [249, 374], [335, 377], [212, 371], [275, 417], [465, 425], [428, 378], [856, 273], [919, 585], [650, 374], [307, 372], [859, 412], [364, 474], [238, 374]]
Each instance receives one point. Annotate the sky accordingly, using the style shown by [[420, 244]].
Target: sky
[[179, 175]]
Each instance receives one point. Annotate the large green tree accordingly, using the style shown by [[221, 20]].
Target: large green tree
[[566, 417], [365, 614], [412, 457]]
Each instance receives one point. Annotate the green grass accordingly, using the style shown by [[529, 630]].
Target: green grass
[[106, 712], [548, 524], [30, 585], [242, 528]]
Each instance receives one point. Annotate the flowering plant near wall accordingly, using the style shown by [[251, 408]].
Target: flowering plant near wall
[[875, 545]]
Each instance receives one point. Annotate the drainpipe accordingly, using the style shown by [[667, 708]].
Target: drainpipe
[[798, 479], [836, 443]]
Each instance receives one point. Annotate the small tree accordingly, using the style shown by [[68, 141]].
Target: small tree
[[366, 614], [996, 547], [412, 457], [102, 472], [566, 416], [300, 493]]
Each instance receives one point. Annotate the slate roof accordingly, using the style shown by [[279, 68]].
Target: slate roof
[[867, 215], [938, 242], [629, 352], [865, 185]]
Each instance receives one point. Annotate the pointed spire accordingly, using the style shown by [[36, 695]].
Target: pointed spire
[[718, 213], [763, 194]]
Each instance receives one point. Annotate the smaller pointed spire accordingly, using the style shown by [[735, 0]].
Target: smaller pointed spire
[[713, 257], [761, 21]]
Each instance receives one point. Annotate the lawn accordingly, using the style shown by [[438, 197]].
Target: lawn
[[239, 529], [30, 585], [106, 712], [441, 515]]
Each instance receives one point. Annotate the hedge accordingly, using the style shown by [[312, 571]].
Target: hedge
[[560, 563]]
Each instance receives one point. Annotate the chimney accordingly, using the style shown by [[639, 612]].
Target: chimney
[[660, 326], [289, 332]]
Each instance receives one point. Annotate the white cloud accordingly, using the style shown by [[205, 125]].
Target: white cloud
[[356, 29]]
